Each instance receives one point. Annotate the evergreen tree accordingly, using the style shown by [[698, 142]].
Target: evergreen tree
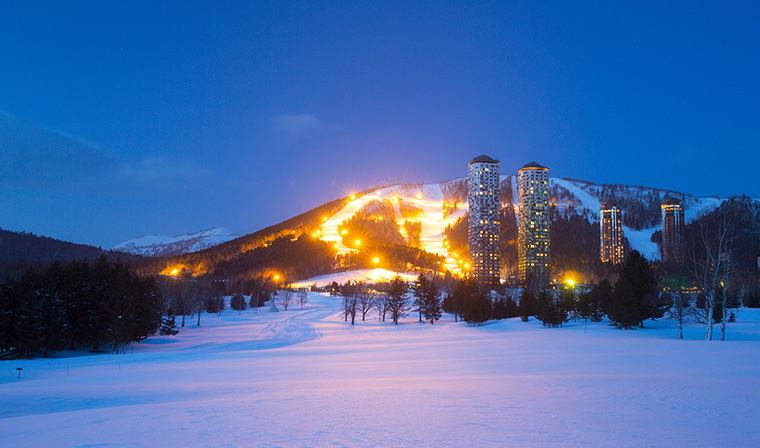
[[588, 305], [550, 311], [453, 302], [476, 305], [397, 297], [214, 305], [528, 305], [635, 297], [238, 303], [420, 288], [432, 307], [168, 326]]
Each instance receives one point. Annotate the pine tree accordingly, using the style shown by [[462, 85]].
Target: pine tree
[[432, 307], [420, 288], [635, 297], [550, 311], [168, 326], [397, 290], [238, 303], [527, 305], [476, 305]]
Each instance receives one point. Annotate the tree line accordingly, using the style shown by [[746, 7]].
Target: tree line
[[77, 304], [392, 300]]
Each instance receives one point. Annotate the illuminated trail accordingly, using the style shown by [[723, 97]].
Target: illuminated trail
[[429, 198]]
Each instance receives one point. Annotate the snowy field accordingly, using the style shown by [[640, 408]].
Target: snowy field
[[305, 378]]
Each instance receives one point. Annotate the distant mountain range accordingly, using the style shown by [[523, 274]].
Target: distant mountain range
[[168, 246]]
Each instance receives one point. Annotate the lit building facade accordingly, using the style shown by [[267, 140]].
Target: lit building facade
[[533, 224], [672, 231], [611, 234], [483, 232]]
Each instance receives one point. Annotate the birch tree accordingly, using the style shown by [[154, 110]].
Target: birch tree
[[708, 263]]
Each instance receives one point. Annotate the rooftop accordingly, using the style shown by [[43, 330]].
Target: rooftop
[[483, 159], [533, 166]]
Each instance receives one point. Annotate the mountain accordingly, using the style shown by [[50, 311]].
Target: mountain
[[21, 249], [423, 226], [167, 246]]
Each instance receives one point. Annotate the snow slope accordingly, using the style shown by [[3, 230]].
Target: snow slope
[[161, 245], [306, 378], [361, 275]]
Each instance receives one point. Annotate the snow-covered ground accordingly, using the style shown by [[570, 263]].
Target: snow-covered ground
[[306, 378]]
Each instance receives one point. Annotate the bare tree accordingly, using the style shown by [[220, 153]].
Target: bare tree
[[708, 263], [366, 301], [351, 292], [381, 305], [303, 297], [285, 298], [681, 302], [728, 271]]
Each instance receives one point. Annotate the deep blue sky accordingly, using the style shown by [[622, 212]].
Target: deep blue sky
[[124, 118]]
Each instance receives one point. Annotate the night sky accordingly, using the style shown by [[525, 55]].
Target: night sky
[[125, 118]]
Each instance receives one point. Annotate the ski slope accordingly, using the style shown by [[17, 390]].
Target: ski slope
[[308, 379], [429, 198]]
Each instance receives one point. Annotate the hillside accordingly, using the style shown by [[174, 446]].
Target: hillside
[[236, 255], [21, 249]]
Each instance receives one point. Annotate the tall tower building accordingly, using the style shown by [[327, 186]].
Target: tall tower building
[[611, 233], [533, 224], [672, 231], [483, 237]]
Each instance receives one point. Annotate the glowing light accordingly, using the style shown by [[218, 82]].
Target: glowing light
[[467, 265], [343, 232], [175, 271], [357, 242], [353, 197], [324, 218], [419, 195], [375, 260], [276, 277], [570, 282]]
